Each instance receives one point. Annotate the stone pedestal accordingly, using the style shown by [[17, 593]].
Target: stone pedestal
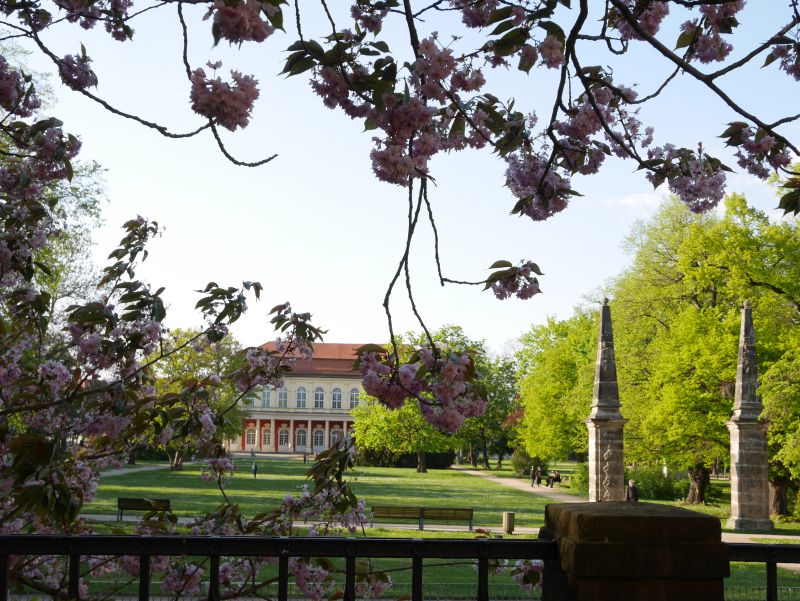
[[749, 485], [606, 460], [633, 552]]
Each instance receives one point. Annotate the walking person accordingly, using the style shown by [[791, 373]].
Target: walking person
[[255, 470], [533, 475], [632, 493]]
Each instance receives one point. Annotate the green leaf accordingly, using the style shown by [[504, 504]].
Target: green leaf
[[500, 264]]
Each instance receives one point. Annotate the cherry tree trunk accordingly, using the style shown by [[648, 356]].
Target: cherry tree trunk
[[699, 479]]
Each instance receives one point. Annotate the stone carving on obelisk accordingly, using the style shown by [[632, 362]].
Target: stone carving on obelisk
[[749, 469], [605, 423]]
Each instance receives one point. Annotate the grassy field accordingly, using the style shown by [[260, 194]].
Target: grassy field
[[190, 494]]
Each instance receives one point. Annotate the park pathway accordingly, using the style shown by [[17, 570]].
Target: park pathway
[[524, 484]]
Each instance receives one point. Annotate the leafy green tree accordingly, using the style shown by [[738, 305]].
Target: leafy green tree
[[197, 359], [402, 430], [556, 377]]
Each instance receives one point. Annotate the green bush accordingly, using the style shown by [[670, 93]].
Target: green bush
[[579, 481], [652, 483], [385, 458], [681, 491], [521, 462]]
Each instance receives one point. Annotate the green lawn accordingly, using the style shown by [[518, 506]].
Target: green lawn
[[191, 495]]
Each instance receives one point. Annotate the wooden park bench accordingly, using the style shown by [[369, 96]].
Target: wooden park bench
[[141, 505], [394, 512]]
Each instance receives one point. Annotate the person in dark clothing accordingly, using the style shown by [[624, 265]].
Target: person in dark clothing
[[533, 475], [632, 493], [255, 470], [538, 476]]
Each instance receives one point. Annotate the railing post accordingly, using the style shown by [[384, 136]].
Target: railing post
[[73, 580], [772, 581], [350, 577], [416, 578], [213, 581], [283, 575], [144, 577], [3, 577], [483, 579]]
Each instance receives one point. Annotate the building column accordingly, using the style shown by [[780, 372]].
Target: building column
[[605, 423], [244, 435], [273, 434], [749, 466], [258, 433], [291, 435], [327, 434]]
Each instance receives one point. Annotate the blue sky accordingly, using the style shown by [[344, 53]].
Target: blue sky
[[316, 228]]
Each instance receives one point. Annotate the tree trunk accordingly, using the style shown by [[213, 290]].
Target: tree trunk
[[132, 457], [421, 464], [485, 454], [175, 459], [499, 461], [698, 483], [778, 496], [473, 460]]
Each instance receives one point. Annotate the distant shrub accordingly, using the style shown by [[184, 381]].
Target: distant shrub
[[652, 483], [579, 481], [385, 458], [521, 462]]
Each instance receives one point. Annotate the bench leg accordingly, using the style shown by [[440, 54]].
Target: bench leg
[[470, 524], [422, 523], [119, 515]]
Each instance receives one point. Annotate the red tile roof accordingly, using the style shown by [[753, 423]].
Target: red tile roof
[[330, 359]]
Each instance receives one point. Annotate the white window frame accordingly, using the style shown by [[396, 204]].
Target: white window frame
[[319, 397], [283, 437], [283, 397], [336, 397], [354, 397], [266, 437], [301, 398], [250, 437], [300, 432], [319, 439], [266, 396]]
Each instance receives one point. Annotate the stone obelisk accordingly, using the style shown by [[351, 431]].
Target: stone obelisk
[[749, 470], [605, 423]]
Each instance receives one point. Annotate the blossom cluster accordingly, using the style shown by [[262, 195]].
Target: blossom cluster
[[76, 72], [227, 104], [648, 14], [240, 21], [695, 177], [518, 281], [444, 384], [707, 44]]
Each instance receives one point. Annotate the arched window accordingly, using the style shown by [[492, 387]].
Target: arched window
[[319, 398], [247, 401], [300, 439], [301, 398], [353, 398], [337, 398], [319, 439], [283, 438], [336, 436], [283, 397], [266, 437], [266, 396], [250, 436]]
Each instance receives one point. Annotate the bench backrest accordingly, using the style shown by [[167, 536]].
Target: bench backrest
[[389, 511], [145, 504], [444, 513]]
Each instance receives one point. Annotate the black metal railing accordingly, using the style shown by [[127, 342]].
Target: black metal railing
[[350, 549], [771, 555], [145, 547]]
